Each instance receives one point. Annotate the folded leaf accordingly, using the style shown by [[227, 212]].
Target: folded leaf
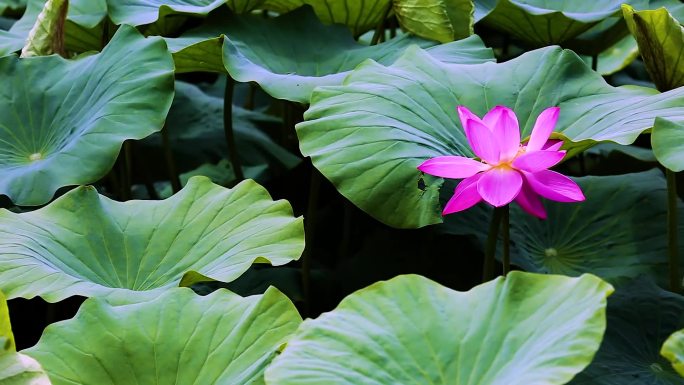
[[519, 330], [178, 338], [88, 245], [661, 44]]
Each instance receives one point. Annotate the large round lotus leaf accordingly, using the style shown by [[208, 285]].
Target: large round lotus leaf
[[641, 316], [261, 50], [623, 239], [673, 350], [80, 31], [524, 329], [546, 22], [179, 338], [661, 44], [369, 135], [359, 16], [16, 368], [86, 244], [63, 122]]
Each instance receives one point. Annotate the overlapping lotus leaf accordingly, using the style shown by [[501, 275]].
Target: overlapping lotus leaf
[[616, 241], [16, 368], [641, 316], [615, 57], [668, 142], [143, 12], [368, 135], [546, 22], [524, 329], [440, 20], [177, 338], [63, 122], [81, 30], [292, 54], [673, 350], [166, 17], [86, 244], [359, 16]]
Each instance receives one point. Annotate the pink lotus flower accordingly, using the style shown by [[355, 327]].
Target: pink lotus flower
[[508, 170]]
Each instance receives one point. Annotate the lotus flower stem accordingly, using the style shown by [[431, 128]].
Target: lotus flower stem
[[170, 162], [594, 62], [672, 247], [490, 247], [249, 102], [380, 29], [506, 239], [144, 170], [309, 233], [126, 171], [105, 32], [228, 129]]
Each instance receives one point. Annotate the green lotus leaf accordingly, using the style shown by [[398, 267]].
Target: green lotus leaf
[[16, 368], [82, 31], [359, 16], [13, 39], [86, 244], [261, 50], [524, 329], [611, 41], [638, 153], [12, 6], [483, 8], [20, 369], [369, 135], [600, 37], [668, 142], [545, 22], [142, 12], [623, 239], [440, 20], [195, 131], [63, 122], [616, 57], [640, 317], [164, 17], [177, 338], [661, 44]]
